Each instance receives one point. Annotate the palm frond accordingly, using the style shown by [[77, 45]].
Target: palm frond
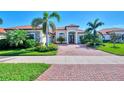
[[96, 21], [45, 15], [99, 24], [90, 24], [55, 15], [36, 22], [88, 30], [52, 25]]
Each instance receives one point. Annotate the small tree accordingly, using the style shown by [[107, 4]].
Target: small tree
[[88, 36], [61, 39], [16, 38], [90, 39], [114, 38]]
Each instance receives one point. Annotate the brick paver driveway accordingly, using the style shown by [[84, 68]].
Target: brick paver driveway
[[84, 72], [79, 50]]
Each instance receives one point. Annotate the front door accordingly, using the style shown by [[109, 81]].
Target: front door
[[71, 39]]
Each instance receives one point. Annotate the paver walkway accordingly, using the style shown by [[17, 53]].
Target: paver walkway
[[92, 72], [79, 50]]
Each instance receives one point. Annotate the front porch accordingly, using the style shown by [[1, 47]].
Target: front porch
[[71, 37]]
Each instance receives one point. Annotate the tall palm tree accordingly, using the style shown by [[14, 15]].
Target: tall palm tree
[[46, 23], [93, 27]]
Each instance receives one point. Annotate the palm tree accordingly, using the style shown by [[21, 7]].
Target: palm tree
[[93, 28], [46, 23]]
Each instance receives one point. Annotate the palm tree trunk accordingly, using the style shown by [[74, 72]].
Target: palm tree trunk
[[94, 38], [47, 35]]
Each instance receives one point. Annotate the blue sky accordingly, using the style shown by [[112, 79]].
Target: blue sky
[[110, 18]]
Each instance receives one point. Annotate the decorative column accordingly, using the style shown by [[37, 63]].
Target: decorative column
[[67, 37], [41, 37], [76, 38], [56, 37]]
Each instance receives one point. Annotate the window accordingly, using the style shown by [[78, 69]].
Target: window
[[31, 35], [123, 37], [61, 34]]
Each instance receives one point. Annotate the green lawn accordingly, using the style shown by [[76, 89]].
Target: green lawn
[[25, 52], [119, 50], [21, 71]]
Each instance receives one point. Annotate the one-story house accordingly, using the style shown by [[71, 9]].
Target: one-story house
[[71, 33], [106, 33], [33, 33]]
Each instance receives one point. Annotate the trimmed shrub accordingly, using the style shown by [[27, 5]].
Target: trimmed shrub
[[30, 43], [89, 44], [61, 39], [43, 48], [98, 42], [4, 44], [52, 47], [82, 40]]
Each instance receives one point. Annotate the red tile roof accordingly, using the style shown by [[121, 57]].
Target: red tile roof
[[64, 28], [106, 31], [72, 25], [2, 30], [24, 27]]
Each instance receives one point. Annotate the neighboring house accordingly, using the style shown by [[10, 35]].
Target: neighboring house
[[71, 33], [34, 33], [106, 33], [2, 33]]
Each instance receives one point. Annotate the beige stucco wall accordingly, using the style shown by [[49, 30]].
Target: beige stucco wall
[[2, 36]]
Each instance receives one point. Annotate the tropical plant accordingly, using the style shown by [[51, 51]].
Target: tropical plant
[[52, 47], [30, 43], [16, 38], [43, 48], [46, 22], [114, 38], [92, 29], [88, 36], [3, 44], [82, 40], [61, 39]]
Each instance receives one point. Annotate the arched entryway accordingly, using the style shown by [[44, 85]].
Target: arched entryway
[[71, 37]]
